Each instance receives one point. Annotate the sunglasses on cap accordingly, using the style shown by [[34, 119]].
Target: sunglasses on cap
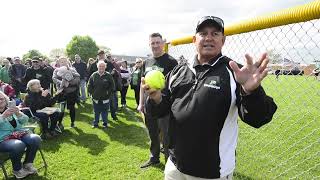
[[215, 19]]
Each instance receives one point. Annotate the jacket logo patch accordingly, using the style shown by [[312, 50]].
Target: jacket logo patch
[[213, 83]]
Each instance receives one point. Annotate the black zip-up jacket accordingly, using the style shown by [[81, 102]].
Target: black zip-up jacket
[[101, 87], [39, 74], [35, 101], [81, 68], [204, 102]]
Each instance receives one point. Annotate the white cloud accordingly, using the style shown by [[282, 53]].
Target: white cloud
[[122, 25]]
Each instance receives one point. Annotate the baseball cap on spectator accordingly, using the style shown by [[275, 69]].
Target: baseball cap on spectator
[[212, 21], [16, 58], [36, 59]]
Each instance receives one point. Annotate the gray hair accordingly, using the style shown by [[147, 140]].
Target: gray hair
[[32, 82], [101, 62]]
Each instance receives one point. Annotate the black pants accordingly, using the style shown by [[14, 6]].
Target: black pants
[[124, 91], [70, 100], [136, 93], [154, 127]]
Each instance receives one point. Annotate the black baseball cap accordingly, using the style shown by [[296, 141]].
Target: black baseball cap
[[210, 20], [36, 59]]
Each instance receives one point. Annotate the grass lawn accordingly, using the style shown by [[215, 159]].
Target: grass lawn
[[86, 153], [287, 147]]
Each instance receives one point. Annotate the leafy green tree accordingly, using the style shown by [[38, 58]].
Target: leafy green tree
[[31, 53], [85, 46], [57, 52]]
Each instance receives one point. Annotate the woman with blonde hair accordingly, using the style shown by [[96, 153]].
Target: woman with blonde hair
[[67, 80]]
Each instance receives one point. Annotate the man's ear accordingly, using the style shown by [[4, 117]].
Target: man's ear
[[223, 39], [194, 38]]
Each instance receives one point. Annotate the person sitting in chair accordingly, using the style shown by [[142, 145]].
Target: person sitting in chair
[[37, 99], [14, 138]]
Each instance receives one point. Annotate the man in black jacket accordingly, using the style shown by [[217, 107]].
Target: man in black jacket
[[36, 71], [81, 68], [16, 73], [204, 99]]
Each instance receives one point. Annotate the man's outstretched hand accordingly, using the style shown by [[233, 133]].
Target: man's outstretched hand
[[251, 74]]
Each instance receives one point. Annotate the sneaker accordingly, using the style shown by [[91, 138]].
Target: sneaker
[[149, 163], [94, 126], [30, 168], [72, 125], [22, 173], [115, 118], [105, 126], [60, 125]]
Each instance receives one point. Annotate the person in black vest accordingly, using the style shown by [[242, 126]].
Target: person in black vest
[[165, 63], [204, 99]]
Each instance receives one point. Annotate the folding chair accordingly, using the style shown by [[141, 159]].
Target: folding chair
[[4, 157]]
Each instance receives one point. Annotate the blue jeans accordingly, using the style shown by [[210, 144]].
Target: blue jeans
[[83, 89], [100, 108], [16, 148]]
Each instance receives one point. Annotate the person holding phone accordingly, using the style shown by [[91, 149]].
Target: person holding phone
[[14, 138]]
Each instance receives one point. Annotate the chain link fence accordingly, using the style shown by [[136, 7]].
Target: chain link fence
[[289, 146]]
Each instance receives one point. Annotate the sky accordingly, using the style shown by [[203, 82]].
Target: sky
[[122, 25]]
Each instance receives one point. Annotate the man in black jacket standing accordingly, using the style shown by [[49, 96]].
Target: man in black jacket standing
[[165, 63], [36, 71], [81, 68], [204, 100]]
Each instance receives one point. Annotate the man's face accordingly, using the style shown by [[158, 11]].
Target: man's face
[[101, 68], [156, 44], [35, 64], [17, 61], [77, 58], [101, 56], [208, 41]]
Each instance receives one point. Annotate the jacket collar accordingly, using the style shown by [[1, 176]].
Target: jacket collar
[[212, 62]]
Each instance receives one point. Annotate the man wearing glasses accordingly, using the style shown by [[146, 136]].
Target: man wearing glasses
[[204, 100]]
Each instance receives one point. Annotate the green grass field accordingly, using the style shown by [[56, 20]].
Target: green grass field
[[287, 147]]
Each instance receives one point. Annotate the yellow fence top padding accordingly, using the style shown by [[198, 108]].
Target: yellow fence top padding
[[296, 14]]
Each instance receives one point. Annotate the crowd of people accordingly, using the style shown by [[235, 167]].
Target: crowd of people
[[37, 84], [194, 117]]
